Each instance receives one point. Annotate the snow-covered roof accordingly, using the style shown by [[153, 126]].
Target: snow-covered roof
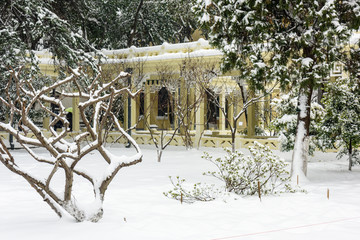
[[200, 48]]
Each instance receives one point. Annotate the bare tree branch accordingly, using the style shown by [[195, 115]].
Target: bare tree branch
[[65, 154]]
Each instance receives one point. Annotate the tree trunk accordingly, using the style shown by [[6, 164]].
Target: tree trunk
[[133, 29], [350, 155], [302, 139], [97, 216], [159, 154], [233, 133]]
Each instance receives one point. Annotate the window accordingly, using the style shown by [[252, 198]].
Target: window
[[163, 102], [212, 110], [142, 104]]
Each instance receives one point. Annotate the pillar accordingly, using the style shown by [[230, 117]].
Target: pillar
[[46, 120], [75, 114], [133, 112], [147, 107], [221, 114], [267, 111], [126, 113], [199, 119], [176, 101], [182, 102], [251, 120], [192, 112], [231, 106]]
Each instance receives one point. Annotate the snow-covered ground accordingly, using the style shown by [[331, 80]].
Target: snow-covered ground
[[135, 207]]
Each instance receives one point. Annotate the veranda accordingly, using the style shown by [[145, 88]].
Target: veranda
[[173, 77]]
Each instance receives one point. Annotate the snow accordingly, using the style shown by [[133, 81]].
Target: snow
[[303, 105], [135, 207], [300, 150], [354, 39], [205, 18], [306, 62], [166, 51], [208, 3], [301, 144], [287, 118]]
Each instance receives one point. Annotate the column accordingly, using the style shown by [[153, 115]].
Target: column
[[133, 112], [221, 114], [267, 111], [147, 107], [176, 99], [46, 120], [231, 105], [75, 114], [192, 100], [251, 120], [182, 102], [199, 119]]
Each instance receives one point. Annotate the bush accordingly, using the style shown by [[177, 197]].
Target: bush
[[199, 192], [241, 175]]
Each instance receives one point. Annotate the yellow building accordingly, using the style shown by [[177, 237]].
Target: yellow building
[[184, 96]]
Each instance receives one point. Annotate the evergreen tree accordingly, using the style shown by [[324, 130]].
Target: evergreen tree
[[29, 25], [115, 24], [183, 18], [285, 122], [341, 123], [290, 41], [33, 25]]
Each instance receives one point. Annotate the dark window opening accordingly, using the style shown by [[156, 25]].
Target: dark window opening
[[164, 105], [212, 113], [142, 104]]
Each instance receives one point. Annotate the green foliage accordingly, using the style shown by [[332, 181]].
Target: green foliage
[[341, 123], [285, 123], [34, 25], [30, 25], [116, 24], [285, 41], [116, 19], [259, 131], [293, 43], [241, 175], [344, 152]]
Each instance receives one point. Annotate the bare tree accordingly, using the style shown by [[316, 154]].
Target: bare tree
[[163, 140], [133, 82], [179, 97], [163, 135], [229, 88], [65, 155], [194, 73]]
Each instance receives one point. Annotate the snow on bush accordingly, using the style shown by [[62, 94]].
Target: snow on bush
[[198, 192], [241, 175]]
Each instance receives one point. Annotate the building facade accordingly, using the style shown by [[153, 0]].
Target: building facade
[[184, 96]]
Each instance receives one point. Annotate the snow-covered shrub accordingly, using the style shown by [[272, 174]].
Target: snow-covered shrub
[[241, 175], [198, 192]]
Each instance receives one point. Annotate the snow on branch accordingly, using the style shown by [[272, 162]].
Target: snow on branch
[[66, 149]]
